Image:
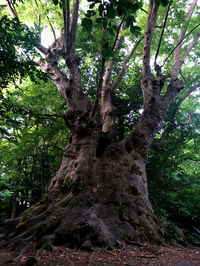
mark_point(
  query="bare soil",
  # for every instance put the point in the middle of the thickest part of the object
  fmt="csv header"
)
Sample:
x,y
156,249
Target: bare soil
x,y
131,255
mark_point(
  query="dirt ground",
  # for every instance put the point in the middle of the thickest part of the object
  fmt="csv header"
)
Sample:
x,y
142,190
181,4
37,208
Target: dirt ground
x,y
132,255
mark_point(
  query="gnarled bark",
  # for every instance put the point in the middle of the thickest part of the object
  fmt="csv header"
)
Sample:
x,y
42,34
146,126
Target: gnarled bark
x,y
97,200
99,195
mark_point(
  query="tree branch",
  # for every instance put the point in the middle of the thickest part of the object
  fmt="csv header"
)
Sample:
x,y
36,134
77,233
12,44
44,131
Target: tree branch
x,y
99,87
57,76
177,62
183,30
172,125
117,35
144,10
193,88
104,79
53,31
107,108
66,19
179,44
188,17
192,44
125,66
42,49
162,33
110,65
12,9
188,92
154,105
39,20
73,26
68,88
153,11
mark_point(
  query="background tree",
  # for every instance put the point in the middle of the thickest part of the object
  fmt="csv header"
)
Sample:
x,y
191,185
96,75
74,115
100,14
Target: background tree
x,y
33,136
99,195
173,173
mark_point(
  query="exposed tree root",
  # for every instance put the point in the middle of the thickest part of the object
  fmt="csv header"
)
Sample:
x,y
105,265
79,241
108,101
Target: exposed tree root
x,y
84,220
103,205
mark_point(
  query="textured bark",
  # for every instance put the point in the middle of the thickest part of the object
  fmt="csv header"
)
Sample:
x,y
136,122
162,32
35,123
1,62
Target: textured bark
x,y
99,195
107,107
101,200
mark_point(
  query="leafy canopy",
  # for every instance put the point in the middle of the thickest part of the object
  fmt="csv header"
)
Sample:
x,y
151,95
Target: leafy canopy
x,y
17,51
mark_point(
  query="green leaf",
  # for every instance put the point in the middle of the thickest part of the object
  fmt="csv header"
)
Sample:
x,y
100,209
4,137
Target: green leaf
x,y
101,9
86,23
55,2
91,5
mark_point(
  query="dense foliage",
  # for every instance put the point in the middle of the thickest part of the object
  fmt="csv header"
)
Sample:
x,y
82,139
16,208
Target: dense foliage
x,y
16,51
33,134
173,173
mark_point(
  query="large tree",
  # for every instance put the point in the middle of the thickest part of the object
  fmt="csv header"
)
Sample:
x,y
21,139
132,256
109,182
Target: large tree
x,y
99,195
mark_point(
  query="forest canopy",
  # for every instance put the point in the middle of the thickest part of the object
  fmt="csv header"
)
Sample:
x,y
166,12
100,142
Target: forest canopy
x,y
116,74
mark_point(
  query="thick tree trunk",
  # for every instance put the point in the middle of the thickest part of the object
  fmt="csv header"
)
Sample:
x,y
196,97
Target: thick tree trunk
x,y
109,196
98,197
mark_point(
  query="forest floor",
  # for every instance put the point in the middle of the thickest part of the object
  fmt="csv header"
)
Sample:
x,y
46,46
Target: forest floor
x,y
132,255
